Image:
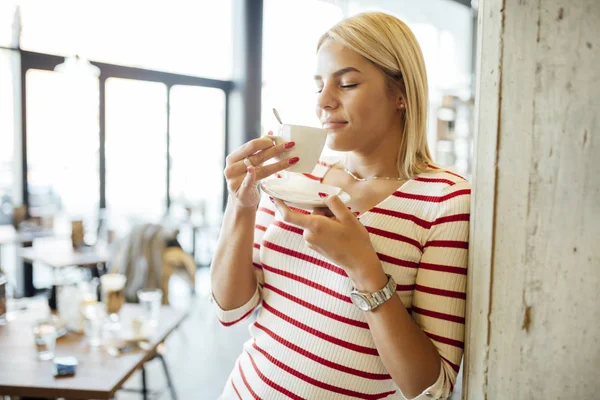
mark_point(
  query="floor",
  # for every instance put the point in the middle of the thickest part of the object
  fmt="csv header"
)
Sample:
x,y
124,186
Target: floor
x,y
200,354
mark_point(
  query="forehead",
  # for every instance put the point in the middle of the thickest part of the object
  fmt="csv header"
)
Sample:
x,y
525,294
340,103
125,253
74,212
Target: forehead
x,y
333,56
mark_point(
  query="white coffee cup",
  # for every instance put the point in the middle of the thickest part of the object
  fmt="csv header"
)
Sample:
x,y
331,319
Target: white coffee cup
x,y
309,145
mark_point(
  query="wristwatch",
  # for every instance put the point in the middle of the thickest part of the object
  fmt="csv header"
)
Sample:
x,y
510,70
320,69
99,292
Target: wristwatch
x,y
370,301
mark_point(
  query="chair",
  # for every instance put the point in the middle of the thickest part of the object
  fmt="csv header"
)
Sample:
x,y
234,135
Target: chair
x,y
148,257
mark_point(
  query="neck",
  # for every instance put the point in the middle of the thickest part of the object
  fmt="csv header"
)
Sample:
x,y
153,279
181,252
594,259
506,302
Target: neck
x,y
378,161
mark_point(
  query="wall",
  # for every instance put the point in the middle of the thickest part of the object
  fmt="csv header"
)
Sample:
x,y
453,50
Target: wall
x,y
535,263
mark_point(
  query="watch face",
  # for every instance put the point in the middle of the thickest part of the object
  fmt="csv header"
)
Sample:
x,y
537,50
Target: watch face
x,y
360,302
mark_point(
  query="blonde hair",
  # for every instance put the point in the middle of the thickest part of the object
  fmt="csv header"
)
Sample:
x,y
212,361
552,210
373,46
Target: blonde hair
x,y
390,44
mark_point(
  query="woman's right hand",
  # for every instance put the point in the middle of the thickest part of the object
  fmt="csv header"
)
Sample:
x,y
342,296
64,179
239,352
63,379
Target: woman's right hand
x,y
242,180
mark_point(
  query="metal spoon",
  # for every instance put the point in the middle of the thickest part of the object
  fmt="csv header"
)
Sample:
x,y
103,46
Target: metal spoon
x,y
277,116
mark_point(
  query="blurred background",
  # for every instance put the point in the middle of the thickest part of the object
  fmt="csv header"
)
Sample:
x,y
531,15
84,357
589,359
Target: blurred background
x,y
121,113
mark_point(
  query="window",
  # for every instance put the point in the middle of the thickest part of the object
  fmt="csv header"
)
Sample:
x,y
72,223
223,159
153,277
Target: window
x,y
197,149
62,144
136,151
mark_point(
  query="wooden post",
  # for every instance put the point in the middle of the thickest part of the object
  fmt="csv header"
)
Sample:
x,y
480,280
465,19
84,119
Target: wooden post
x,y
534,275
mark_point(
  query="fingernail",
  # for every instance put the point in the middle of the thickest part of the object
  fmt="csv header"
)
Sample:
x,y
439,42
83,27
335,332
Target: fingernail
x,y
270,133
349,208
356,213
271,198
278,175
293,160
323,195
289,145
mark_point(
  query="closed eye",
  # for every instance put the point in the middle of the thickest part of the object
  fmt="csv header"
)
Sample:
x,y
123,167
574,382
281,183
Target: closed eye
x,y
349,86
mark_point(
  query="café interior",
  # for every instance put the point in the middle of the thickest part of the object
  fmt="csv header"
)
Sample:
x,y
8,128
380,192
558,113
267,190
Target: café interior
x,y
115,121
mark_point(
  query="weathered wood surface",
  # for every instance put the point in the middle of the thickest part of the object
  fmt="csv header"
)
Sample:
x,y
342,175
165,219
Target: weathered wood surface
x,y
534,309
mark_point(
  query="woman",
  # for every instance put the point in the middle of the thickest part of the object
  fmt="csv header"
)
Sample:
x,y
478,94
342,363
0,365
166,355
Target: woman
x,y
404,240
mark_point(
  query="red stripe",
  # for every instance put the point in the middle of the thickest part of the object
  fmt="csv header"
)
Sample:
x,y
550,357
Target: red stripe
x,y
308,283
271,383
257,266
405,288
266,210
397,261
301,211
317,383
260,227
287,227
438,315
246,383
319,310
257,246
454,366
394,236
432,199
237,320
436,180
452,173
443,268
456,244
408,217
321,360
446,171
236,391
441,292
452,218
321,335
314,178
305,257
445,340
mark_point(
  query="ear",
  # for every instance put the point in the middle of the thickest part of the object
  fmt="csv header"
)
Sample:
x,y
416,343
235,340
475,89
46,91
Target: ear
x,y
400,103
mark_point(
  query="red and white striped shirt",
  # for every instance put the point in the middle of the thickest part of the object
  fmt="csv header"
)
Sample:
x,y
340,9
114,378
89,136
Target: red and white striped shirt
x,y
310,342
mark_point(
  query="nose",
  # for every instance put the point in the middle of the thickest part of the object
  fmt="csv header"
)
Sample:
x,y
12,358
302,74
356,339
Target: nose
x,y
327,99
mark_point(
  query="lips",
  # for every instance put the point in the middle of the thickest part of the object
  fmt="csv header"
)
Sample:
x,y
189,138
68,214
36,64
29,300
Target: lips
x,y
334,124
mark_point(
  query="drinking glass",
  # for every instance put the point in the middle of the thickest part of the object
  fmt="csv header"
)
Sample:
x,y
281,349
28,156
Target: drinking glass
x,y
113,293
44,334
150,301
95,318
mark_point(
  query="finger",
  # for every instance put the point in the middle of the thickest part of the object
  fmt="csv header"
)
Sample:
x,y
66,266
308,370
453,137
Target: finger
x,y
257,159
324,211
247,149
290,216
339,209
268,170
249,180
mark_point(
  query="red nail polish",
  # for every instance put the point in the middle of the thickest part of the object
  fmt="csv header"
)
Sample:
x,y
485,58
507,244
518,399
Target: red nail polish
x,y
279,176
270,133
356,213
293,160
271,198
289,145
323,195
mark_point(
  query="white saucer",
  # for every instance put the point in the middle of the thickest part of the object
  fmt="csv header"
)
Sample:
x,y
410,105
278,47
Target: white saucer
x,y
300,193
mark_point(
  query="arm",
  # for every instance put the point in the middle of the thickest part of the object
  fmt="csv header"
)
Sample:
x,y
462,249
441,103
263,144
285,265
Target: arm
x,y
234,284
422,353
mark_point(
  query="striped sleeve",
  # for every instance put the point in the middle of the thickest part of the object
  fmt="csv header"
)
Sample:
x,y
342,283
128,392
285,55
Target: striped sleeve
x,y
264,217
439,301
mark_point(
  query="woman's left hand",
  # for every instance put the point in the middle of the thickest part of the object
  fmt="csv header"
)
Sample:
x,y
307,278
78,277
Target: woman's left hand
x,y
341,238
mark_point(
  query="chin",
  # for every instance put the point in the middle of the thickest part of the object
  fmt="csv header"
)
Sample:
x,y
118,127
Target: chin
x,y
338,142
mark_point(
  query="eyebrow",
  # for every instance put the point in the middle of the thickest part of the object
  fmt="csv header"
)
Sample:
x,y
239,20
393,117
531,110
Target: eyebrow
x,y
339,73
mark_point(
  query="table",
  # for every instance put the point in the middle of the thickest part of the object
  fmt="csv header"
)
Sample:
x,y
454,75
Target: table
x,y
57,253
9,235
98,376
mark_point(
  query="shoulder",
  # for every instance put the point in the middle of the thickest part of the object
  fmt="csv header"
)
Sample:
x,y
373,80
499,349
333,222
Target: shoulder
x,y
437,181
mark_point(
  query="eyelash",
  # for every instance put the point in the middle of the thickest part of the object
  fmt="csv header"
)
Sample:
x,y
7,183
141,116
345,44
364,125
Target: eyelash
x,y
342,86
